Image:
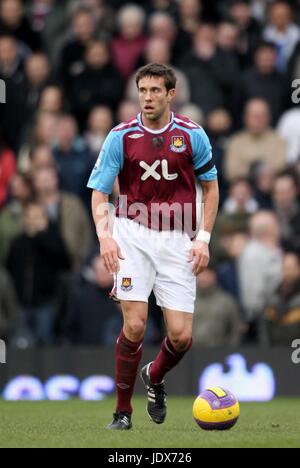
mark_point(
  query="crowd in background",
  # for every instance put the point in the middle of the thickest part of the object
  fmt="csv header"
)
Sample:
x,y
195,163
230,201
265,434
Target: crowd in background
x,y
69,71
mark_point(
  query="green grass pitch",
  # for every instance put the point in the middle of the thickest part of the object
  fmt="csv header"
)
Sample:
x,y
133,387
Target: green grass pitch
x,y
82,424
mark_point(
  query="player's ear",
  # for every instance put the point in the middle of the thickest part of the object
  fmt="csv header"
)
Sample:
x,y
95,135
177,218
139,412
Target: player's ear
x,y
171,94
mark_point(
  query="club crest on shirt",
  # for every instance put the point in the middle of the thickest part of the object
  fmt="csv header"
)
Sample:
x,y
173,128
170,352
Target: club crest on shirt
x,y
126,284
178,144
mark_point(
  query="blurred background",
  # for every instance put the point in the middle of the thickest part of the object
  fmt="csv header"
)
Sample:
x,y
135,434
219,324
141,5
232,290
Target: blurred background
x,y
69,71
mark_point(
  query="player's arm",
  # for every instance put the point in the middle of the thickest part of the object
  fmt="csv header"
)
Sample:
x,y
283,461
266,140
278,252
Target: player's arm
x,y
102,181
200,251
206,173
110,251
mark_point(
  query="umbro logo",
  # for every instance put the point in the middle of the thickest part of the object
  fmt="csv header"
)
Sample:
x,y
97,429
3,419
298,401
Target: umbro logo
x,y
136,136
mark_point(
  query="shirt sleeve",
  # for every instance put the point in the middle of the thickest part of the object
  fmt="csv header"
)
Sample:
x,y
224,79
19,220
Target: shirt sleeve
x,y
109,164
205,168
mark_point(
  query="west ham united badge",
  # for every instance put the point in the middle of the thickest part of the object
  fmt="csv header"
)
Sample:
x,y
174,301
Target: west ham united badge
x,y
178,144
127,284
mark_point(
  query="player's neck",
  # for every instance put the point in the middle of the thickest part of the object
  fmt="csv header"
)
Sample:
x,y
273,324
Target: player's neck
x,y
157,124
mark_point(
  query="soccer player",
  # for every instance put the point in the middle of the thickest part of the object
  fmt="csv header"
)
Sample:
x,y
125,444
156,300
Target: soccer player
x,y
154,245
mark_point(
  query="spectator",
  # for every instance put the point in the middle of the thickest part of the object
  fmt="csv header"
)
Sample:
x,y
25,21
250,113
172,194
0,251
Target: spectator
x,y
104,15
127,111
265,82
258,142
41,157
8,306
7,170
240,200
260,270
100,123
218,128
192,112
190,14
91,313
73,159
163,26
234,215
164,6
44,128
294,64
217,321
158,51
283,32
228,270
20,191
98,83
37,74
49,18
43,132
287,208
259,9
282,313
52,100
289,130
212,72
228,37
228,41
11,62
35,261
67,213
129,45
12,72
72,55
263,177
13,22
250,29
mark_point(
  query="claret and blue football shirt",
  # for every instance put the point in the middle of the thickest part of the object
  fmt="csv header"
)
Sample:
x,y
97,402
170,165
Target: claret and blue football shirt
x,y
156,170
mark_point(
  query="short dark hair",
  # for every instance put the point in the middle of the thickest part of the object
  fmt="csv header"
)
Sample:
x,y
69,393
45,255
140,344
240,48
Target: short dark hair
x,y
266,45
81,10
159,71
240,180
238,2
288,174
33,202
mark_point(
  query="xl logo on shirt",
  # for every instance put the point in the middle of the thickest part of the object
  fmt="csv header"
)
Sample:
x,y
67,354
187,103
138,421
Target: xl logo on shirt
x,y
151,171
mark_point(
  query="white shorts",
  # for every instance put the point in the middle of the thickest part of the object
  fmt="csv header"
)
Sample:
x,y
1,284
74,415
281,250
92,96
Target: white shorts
x,y
155,261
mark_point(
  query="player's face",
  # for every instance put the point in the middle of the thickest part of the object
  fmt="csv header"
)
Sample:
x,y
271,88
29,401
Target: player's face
x,y
154,98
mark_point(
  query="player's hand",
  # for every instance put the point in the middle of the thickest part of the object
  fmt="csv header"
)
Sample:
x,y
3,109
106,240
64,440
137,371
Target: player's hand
x,y
111,254
199,253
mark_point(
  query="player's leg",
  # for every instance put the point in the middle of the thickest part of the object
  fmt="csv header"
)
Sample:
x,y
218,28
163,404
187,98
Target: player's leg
x,y
175,291
128,357
133,285
174,347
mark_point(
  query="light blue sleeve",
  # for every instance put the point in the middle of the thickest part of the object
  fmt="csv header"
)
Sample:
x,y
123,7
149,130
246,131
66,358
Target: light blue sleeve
x,y
109,164
202,155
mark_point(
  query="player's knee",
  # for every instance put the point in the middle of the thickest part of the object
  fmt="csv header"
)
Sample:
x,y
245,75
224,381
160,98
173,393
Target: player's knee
x,y
181,342
135,329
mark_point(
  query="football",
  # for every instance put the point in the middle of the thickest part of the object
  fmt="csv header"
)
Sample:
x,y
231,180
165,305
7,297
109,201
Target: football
x,y
216,409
